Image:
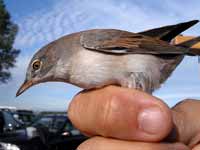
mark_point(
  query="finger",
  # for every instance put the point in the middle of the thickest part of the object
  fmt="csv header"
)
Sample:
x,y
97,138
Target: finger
x,y
121,113
101,143
187,123
197,147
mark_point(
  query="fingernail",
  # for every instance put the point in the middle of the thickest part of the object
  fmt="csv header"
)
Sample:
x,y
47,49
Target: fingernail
x,y
151,120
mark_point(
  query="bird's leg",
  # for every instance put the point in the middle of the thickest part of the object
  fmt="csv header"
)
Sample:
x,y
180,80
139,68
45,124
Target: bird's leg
x,y
139,81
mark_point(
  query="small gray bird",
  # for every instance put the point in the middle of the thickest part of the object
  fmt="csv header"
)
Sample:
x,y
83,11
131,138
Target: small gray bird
x,y
100,57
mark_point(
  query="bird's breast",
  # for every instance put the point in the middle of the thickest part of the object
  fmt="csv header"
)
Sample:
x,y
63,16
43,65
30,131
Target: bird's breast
x,y
93,69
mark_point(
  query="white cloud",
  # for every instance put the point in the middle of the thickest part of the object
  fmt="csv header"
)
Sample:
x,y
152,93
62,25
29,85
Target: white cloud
x,y
67,16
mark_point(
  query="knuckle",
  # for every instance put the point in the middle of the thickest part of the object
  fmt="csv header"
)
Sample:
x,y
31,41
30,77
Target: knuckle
x,y
185,103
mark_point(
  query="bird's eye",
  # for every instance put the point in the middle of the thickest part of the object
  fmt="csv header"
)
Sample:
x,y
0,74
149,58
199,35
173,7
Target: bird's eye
x,y
36,64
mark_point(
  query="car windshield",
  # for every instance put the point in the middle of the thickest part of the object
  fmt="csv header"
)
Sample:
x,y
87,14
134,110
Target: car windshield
x,y
45,121
68,126
26,118
10,122
59,123
53,123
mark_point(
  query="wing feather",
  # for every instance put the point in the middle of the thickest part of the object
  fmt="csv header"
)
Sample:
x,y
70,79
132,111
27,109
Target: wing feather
x,y
123,42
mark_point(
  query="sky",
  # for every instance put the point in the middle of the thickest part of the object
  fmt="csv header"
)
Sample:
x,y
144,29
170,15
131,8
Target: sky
x,y
41,22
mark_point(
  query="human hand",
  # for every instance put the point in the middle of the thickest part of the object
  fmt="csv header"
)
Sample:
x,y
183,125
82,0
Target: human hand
x,y
125,119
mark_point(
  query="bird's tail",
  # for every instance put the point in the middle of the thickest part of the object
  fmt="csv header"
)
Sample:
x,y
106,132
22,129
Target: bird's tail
x,y
190,43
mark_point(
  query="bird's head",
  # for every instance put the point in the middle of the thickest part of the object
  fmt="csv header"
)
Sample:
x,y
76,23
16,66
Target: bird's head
x,y
42,66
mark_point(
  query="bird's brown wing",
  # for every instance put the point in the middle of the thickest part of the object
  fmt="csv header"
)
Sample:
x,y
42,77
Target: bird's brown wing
x,y
123,42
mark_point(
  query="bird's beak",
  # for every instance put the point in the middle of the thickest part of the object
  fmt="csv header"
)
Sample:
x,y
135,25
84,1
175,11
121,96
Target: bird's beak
x,y
24,87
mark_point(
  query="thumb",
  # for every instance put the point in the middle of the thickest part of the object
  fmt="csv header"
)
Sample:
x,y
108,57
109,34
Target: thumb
x,y
121,113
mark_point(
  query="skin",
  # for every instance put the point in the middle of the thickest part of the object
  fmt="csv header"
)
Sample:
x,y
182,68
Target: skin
x,y
118,118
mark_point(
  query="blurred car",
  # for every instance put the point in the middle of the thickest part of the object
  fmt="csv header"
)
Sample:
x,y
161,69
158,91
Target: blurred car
x,y
8,123
48,132
25,116
16,132
58,132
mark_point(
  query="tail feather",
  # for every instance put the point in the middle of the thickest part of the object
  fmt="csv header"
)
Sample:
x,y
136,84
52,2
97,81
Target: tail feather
x,y
192,43
167,33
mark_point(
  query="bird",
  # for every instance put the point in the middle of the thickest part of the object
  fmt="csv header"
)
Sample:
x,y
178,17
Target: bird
x,y
99,57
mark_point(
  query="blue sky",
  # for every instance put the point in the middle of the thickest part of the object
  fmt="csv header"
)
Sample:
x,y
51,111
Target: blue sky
x,y
43,21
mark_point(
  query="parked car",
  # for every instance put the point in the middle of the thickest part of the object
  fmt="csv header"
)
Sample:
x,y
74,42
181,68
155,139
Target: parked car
x,y
25,116
58,132
48,132
8,123
16,132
